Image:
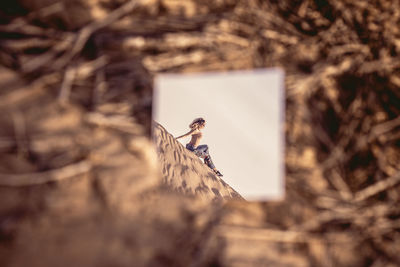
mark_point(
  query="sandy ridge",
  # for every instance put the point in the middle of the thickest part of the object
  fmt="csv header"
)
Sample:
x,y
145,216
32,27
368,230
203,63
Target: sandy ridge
x,y
185,172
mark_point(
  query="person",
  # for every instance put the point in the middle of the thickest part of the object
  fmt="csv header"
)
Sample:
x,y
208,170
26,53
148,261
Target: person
x,y
200,150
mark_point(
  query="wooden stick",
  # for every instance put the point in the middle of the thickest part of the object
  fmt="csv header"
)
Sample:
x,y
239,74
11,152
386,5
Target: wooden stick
x,y
66,85
30,179
85,33
377,187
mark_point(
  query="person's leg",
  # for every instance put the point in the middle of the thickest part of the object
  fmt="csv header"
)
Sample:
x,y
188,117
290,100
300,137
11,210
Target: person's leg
x,y
208,161
202,150
210,164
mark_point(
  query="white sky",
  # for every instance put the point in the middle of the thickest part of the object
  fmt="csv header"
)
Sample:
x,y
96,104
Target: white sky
x,y
244,111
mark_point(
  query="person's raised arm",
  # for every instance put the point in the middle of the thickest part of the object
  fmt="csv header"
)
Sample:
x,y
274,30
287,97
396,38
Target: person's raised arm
x,y
186,134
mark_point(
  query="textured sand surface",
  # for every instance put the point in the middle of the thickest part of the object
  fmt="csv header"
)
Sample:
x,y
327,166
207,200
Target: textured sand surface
x,y
184,172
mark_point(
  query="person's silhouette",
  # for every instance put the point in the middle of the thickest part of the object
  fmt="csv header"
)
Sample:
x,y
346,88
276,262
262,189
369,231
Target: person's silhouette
x,y
200,150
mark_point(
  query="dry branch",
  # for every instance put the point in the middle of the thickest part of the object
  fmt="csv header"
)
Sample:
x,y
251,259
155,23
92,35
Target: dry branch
x,y
30,179
377,187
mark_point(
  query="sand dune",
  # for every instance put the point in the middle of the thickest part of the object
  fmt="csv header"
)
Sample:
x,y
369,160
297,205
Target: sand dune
x,y
185,172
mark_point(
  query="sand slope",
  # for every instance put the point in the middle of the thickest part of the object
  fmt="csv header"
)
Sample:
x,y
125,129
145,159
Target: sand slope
x,y
185,172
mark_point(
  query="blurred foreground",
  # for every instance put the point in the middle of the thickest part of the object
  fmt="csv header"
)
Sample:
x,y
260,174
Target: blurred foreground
x,y
80,183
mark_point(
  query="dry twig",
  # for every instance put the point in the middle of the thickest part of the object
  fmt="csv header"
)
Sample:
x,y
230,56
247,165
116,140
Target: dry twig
x,y
30,179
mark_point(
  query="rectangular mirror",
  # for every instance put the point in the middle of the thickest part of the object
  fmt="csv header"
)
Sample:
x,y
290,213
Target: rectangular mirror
x,y
244,124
